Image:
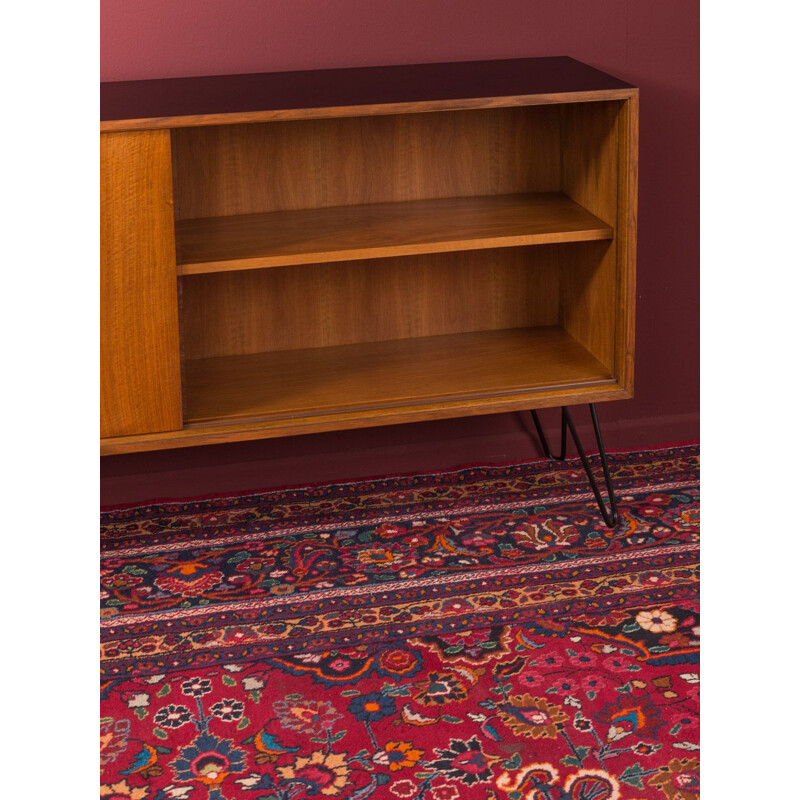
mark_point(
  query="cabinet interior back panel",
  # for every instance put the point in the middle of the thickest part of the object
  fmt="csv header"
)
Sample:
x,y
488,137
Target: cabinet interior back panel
x,y
243,169
319,305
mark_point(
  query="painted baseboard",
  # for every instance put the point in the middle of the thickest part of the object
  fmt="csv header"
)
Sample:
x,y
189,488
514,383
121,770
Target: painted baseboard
x,y
352,455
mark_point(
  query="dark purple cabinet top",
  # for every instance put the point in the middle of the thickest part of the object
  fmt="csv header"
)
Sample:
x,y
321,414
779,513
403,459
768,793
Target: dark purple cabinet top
x,y
340,88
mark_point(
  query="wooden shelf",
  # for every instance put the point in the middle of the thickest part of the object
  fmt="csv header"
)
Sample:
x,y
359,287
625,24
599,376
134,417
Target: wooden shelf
x,y
331,380
346,233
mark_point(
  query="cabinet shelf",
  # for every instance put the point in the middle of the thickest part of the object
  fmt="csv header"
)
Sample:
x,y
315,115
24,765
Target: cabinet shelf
x,y
345,378
378,230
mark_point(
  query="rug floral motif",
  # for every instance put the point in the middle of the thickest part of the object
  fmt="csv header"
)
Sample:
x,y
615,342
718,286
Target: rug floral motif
x,y
472,634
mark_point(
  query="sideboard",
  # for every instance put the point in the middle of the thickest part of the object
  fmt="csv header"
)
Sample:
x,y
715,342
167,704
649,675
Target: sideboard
x,y
288,253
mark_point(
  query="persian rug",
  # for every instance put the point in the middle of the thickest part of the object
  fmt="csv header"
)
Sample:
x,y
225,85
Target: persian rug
x,y
464,635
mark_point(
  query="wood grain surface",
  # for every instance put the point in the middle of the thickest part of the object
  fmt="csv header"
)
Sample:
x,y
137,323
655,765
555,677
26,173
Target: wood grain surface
x,y
328,380
346,233
590,276
481,373
140,378
287,166
320,305
627,226
233,431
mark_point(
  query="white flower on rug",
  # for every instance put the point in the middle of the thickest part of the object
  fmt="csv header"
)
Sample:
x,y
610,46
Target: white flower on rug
x,y
251,780
180,792
657,621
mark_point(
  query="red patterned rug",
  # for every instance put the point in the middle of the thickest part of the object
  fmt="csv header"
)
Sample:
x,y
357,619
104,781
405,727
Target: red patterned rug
x,y
465,635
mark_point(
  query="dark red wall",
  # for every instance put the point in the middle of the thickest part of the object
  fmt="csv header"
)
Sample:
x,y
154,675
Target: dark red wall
x,y
653,45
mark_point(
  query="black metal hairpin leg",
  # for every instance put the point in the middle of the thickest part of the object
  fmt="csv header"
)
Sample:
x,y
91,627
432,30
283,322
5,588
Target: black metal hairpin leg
x,y
610,514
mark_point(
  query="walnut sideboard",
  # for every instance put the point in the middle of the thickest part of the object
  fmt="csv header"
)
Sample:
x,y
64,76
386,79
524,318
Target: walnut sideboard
x,y
295,252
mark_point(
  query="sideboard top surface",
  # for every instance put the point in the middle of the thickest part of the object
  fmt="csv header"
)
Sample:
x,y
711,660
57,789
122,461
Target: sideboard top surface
x,y
179,102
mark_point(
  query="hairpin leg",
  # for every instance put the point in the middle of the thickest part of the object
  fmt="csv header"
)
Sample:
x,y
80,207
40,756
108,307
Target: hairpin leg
x,y
543,438
610,514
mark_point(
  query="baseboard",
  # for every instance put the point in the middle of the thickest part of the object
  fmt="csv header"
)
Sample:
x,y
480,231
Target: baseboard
x,y
423,447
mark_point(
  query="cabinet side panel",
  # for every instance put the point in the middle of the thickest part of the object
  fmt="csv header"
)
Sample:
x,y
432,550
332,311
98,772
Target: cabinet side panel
x,y
140,383
590,278
626,239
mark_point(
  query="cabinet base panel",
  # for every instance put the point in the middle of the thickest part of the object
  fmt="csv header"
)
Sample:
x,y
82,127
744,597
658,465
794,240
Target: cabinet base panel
x,y
286,393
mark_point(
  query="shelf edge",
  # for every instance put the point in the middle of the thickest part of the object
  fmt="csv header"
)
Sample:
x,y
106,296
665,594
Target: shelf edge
x,y
390,251
379,109
237,431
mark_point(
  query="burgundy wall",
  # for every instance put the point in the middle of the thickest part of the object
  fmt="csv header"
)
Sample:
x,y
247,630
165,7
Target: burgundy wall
x,y
652,45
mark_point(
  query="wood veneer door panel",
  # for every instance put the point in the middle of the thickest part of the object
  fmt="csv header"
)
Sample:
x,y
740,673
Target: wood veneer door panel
x,y
140,380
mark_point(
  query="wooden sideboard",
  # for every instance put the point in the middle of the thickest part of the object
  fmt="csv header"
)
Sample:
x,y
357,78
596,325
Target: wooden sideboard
x,y
288,253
